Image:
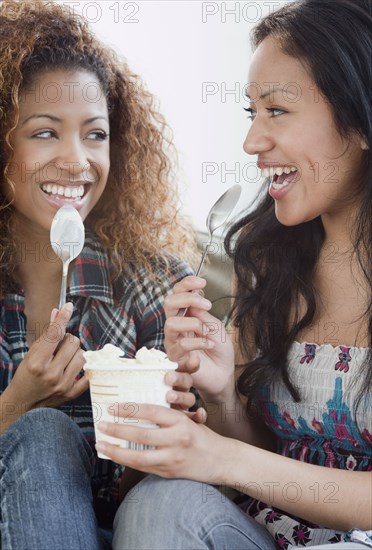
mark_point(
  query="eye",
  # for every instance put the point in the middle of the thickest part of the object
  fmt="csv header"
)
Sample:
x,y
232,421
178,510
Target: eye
x,y
251,113
44,134
276,111
98,135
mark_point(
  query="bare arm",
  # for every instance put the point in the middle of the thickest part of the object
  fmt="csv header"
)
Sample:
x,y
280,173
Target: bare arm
x,y
201,346
228,417
337,499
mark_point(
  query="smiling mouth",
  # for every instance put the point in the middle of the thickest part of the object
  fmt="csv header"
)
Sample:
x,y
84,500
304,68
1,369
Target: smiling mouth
x,y
279,182
281,176
61,192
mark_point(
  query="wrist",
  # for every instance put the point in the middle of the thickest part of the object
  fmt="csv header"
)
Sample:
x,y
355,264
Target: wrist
x,y
227,395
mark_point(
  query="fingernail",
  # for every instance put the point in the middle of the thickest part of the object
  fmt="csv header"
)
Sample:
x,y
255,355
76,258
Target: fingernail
x,y
53,314
67,310
101,446
172,378
172,396
210,344
206,302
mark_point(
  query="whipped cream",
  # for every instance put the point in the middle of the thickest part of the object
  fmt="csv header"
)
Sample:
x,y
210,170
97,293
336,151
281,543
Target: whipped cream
x,y
111,357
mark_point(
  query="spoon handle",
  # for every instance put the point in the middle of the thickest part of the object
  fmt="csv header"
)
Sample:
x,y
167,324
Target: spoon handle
x,y
62,299
182,312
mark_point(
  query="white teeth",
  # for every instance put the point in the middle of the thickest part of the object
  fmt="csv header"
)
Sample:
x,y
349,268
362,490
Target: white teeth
x,y
278,185
278,171
67,192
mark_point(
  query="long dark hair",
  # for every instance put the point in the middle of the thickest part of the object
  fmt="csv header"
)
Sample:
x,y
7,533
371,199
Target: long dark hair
x,y
273,263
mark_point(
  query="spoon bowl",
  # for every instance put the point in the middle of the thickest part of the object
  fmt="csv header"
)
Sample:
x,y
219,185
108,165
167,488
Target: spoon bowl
x,y
67,239
217,216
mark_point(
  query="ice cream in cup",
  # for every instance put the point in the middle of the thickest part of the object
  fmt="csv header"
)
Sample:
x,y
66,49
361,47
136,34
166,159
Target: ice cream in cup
x,y
114,379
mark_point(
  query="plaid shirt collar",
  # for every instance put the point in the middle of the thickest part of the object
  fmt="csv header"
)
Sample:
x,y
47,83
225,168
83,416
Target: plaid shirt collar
x,y
91,275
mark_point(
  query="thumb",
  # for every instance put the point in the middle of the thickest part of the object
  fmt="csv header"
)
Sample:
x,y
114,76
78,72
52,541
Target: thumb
x,y
199,416
58,322
49,342
53,314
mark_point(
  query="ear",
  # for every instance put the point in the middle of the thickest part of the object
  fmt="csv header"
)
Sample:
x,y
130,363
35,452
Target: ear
x,y
363,144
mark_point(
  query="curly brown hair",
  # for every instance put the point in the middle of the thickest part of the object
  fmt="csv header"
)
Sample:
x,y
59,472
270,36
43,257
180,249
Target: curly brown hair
x,y
37,36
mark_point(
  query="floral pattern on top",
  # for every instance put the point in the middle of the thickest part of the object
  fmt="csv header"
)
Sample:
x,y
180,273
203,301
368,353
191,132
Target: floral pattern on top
x,y
344,358
321,429
310,350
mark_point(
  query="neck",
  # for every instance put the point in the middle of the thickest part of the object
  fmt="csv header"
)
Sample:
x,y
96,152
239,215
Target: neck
x,y
339,231
37,264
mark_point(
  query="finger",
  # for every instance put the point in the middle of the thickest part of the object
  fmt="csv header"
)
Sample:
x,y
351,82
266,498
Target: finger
x,y
79,387
174,302
164,416
195,344
46,345
193,362
182,352
174,326
200,416
53,314
67,349
212,327
142,435
181,381
181,400
150,461
189,283
74,367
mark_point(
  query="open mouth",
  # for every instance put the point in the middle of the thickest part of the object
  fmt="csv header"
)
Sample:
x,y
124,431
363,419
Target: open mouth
x,y
279,182
281,176
65,193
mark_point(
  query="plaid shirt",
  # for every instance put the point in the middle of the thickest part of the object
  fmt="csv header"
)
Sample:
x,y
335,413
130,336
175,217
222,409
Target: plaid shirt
x,y
127,313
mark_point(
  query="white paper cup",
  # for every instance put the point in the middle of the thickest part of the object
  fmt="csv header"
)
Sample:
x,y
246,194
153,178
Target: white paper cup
x,y
140,383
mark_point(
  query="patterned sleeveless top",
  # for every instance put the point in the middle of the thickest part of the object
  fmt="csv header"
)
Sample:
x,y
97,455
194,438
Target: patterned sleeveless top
x,y
322,429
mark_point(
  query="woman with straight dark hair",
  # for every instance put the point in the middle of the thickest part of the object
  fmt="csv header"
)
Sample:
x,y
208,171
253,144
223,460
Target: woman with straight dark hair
x,y
293,435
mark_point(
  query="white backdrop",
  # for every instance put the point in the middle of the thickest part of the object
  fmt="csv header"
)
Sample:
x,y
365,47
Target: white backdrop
x,y
194,57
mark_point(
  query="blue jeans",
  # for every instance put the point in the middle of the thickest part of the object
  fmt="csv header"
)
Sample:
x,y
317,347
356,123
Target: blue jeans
x,y
45,492
161,514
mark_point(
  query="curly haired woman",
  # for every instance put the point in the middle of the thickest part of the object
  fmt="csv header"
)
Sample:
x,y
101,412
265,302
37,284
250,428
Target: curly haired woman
x,y
76,127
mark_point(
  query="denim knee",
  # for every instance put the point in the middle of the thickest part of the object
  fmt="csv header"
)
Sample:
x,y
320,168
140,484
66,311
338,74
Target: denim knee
x,y
45,484
43,431
179,514
173,496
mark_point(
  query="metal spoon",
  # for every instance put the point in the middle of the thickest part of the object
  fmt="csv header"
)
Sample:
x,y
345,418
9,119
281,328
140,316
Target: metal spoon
x,y
67,240
217,216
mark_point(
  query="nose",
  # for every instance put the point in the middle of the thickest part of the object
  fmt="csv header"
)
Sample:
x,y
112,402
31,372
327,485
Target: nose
x,y
259,139
73,158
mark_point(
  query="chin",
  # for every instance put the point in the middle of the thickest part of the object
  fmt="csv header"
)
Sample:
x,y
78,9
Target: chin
x,y
288,219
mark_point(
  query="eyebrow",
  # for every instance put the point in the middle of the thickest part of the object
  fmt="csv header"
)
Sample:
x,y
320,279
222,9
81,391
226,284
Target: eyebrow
x,y
269,92
57,119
